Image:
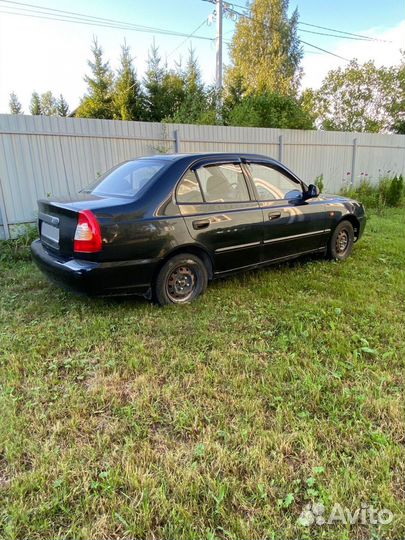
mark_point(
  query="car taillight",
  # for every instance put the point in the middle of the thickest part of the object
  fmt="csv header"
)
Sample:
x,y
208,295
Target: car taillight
x,y
88,234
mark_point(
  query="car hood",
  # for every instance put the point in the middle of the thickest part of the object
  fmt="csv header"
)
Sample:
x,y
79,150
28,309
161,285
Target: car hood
x,y
337,198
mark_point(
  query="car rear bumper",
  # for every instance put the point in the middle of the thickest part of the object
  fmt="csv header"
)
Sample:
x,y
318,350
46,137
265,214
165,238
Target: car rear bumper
x,y
96,278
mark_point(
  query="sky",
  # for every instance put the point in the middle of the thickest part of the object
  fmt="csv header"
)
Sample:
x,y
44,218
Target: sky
x,y
40,54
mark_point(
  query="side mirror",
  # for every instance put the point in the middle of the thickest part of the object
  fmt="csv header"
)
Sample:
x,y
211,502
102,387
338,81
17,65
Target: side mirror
x,y
312,192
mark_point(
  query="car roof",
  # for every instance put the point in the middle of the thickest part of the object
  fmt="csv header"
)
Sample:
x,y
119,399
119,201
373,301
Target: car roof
x,y
189,159
196,155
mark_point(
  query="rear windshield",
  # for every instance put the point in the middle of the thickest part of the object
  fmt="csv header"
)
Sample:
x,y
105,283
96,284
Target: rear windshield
x,y
127,179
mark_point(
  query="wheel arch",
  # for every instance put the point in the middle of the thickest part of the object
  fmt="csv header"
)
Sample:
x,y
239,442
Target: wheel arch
x,y
196,250
354,221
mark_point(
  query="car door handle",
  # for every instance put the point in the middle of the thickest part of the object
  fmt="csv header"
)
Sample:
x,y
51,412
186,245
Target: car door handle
x,y
201,224
274,215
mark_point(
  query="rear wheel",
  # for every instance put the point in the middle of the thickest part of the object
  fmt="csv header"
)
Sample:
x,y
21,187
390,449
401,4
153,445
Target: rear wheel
x,y
180,280
341,242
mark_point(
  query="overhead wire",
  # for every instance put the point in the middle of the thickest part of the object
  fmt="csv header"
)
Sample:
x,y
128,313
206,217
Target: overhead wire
x,y
333,35
300,23
187,38
41,12
369,38
301,40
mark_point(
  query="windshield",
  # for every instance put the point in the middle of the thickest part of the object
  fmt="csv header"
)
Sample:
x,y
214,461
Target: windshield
x,y
127,179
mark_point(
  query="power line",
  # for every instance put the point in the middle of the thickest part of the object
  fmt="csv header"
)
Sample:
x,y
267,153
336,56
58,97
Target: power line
x,y
68,14
333,35
360,36
134,29
59,11
41,12
369,38
187,38
302,41
310,45
324,50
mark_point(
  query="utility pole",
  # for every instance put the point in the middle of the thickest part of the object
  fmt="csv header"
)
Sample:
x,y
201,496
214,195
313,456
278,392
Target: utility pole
x,y
218,75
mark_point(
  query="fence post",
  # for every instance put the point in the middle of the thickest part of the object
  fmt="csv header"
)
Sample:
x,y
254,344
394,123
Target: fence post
x,y
3,214
280,148
354,156
176,141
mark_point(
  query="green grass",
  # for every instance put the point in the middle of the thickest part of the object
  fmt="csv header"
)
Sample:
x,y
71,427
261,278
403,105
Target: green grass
x,y
220,419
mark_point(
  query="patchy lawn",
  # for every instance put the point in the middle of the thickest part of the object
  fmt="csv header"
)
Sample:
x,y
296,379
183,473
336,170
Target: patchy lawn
x,y
221,419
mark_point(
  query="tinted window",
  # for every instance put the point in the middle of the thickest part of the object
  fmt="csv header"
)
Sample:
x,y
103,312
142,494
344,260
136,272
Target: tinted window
x,y
188,190
271,184
128,178
223,183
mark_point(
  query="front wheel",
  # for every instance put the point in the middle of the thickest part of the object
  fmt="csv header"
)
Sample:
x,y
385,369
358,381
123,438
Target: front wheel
x,y
341,242
180,280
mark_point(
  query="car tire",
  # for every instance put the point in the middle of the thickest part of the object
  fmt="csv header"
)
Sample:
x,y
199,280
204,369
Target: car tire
x,y
180,280
341,242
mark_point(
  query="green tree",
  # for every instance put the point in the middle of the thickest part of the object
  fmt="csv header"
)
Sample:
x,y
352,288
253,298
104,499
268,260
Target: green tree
x,y
265,51
48,104
198,103
97,103
164,89
192,74
270,110
127,98
35,104
62,107
234,92
397,108
14,104
360,97
153,83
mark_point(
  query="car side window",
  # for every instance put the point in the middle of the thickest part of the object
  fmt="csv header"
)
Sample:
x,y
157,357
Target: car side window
x,y
272,184
223,183
188,191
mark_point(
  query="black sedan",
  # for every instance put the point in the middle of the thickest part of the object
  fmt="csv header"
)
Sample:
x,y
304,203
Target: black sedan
x,y
163,226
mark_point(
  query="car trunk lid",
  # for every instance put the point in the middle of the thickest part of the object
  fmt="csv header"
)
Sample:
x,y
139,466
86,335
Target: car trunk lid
x,y
57,224
58,219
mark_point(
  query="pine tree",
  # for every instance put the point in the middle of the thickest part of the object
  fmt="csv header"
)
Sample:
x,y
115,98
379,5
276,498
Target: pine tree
x,y
153,83
127,97
62,107
97,103
14,104
164,89
35,104
265,51
193,74
198,106
48,104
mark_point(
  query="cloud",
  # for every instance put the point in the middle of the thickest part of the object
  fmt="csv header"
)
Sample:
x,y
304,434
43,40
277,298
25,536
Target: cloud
x,y
317,65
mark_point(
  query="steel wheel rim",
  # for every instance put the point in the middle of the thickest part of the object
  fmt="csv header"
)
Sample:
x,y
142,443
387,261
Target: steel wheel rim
x,y
342,241
181,283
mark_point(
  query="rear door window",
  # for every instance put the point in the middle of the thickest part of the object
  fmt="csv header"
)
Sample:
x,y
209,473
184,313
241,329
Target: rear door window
x,y
223,183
